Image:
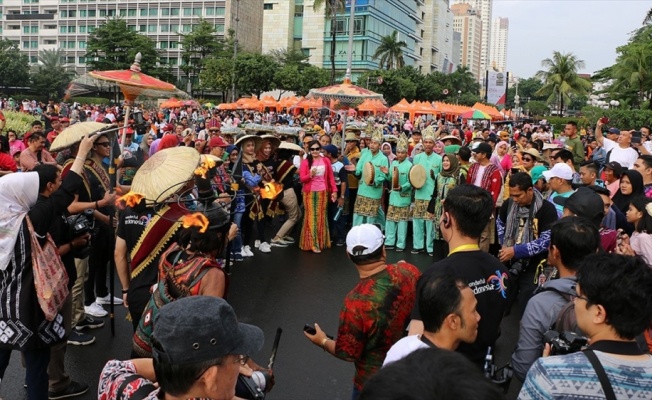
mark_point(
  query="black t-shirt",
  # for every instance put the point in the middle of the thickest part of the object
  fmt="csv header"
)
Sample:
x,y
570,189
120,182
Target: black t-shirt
x,y
488,279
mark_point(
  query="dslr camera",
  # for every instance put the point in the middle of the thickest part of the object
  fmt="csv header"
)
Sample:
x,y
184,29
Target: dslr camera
x,y
253,388
518,267
79,225
564,342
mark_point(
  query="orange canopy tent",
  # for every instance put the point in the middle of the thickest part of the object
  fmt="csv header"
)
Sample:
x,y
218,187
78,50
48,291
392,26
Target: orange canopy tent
x,y
269,102
171,103
372,105
401,107
227,106
287,102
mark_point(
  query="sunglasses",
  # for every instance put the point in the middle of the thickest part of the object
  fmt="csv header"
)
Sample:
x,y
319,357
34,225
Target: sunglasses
x,y
528,159
105,144
315,148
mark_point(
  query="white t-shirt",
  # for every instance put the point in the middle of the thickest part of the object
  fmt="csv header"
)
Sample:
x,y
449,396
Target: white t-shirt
x,y
404,347
625,157
478,177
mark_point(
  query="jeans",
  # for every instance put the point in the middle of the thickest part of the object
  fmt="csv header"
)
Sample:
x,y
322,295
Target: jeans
x,y
36,362
337,228
237,241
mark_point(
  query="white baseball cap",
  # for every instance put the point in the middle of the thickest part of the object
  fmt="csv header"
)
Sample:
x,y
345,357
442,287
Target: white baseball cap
x,y
559,170
365,236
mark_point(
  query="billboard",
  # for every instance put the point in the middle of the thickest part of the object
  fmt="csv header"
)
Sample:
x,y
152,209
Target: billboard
x,y
496,85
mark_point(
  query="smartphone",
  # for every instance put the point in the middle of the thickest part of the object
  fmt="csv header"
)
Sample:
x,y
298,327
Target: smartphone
x,y
309,329
637,138
604,120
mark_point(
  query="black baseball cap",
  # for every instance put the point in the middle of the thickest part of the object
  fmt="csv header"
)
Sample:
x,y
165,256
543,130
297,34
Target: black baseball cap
x,y
201,328
481,147
587,204
615,167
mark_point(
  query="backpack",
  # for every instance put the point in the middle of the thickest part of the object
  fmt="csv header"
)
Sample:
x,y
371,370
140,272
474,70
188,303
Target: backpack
x,y
566,320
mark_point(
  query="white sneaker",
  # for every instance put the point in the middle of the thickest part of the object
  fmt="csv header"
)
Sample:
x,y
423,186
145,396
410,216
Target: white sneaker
x,y
265,248
246,251
107,300
95,310
257,244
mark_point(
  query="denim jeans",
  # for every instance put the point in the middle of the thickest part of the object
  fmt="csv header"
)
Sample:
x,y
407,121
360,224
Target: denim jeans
x,y
237,241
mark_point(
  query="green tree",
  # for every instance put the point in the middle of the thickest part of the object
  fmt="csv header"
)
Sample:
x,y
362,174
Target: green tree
x,y
14,65
52,76
290,57
113,46
332,8
217,75
390,52
527,89
648,17
198,46
536,108
255,73
313,77
560,78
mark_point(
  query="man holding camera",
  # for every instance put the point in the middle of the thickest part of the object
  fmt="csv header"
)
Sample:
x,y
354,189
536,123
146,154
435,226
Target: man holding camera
x,y
374,313
612,307
571,240
620,151
523,225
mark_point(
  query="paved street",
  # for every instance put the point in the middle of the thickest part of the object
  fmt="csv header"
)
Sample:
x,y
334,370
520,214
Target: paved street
x,y
286,288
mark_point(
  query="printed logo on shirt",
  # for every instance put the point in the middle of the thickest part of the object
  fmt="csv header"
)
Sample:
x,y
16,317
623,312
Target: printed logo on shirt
x,y
496,282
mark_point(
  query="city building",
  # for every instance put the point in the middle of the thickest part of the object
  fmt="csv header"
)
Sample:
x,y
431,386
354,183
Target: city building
x,y
457,46
425,26
499,38
484,9
468,23
50,24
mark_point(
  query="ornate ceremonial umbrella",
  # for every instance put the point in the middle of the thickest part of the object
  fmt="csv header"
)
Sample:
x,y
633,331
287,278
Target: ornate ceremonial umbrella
x,y
475,114
346,93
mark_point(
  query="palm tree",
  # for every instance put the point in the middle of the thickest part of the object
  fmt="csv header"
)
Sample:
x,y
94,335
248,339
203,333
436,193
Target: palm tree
x,y
633,68
53,74
560,79
333,7
648,17
390,51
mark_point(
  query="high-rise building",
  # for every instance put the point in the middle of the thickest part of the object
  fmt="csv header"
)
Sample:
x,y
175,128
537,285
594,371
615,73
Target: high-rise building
x,y
65,24
484,9
499,37
425,26
467,22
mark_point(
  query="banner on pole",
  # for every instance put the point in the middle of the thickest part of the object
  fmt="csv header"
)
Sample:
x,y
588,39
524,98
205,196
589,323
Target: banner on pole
x,y
496,87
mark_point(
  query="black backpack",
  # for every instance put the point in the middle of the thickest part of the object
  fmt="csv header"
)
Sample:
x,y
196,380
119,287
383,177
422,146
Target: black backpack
x,y
566,320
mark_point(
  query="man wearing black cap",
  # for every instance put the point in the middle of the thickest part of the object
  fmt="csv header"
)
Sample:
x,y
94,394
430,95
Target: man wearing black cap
x,y
199,349
587,203
486,175
612,173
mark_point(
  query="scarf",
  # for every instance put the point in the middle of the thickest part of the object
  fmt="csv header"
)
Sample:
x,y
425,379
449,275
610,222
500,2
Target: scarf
x,y
18,193
454,170
486,177
516,214
391,156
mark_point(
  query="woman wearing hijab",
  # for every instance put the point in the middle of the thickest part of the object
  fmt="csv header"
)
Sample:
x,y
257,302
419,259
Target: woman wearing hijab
x,y
29,204
631,186
502,158
386,148
448,178
418,148
439,148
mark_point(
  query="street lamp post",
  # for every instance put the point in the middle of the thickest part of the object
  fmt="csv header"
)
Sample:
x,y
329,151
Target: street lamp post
x,y
235,49
459,93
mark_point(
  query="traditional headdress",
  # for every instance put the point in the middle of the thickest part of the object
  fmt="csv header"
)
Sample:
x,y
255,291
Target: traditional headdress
x,y
428,133
402,144
337,139
377,135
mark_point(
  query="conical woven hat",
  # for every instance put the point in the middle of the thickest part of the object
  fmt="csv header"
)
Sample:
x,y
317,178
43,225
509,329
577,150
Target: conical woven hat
x,y
164,173
74,134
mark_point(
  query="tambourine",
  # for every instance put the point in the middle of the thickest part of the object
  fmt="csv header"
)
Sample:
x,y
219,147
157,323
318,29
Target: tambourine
x,y
417,176
368,173
395,184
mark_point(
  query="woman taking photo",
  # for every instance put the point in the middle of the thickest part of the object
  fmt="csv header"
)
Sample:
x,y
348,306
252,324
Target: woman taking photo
x,y
318,181
448,178
639,214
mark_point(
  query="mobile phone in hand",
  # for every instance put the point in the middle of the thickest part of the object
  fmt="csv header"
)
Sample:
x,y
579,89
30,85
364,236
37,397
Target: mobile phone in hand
x,y
309,329
604,120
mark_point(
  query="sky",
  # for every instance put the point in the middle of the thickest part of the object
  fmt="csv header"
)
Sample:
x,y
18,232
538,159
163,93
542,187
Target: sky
x,y
591,29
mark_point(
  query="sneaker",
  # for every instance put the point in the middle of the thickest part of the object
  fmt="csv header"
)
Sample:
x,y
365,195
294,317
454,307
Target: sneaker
x,y
95,310
77,338
431,254
265,248
246,251
236,256
288,239
398,249
107,300
340,242
279,243
389,247
89,323
74,389
416,251
257,244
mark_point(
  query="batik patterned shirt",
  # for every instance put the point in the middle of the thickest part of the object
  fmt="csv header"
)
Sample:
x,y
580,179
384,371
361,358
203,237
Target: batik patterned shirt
x,y
374,317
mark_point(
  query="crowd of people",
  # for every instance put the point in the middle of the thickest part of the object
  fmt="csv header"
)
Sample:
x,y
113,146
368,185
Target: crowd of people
x,y
555,228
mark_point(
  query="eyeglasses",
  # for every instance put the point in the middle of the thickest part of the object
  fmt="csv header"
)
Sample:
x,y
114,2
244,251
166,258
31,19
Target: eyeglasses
x,y
315,148
105,144
528,159
242,359
579,296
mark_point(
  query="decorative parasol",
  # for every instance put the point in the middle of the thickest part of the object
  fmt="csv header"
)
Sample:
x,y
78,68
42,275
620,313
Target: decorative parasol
x,y
171,103
475,114
346,93
164,173
290,146
74,134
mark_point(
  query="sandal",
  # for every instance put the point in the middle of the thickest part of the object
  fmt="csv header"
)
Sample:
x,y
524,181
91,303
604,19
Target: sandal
x,y
316,250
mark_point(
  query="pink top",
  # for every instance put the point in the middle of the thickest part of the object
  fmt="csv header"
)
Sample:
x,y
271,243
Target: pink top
x,y
16,146
323,181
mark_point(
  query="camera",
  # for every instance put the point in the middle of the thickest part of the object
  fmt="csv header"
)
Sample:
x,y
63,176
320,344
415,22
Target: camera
x,y
79,225
518,267
564,342
252,388
501,376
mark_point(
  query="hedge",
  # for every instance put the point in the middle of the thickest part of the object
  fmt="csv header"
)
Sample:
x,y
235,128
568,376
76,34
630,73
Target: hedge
x,y
622,119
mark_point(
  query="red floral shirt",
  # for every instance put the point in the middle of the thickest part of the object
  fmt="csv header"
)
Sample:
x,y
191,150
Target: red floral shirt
x,y
374,317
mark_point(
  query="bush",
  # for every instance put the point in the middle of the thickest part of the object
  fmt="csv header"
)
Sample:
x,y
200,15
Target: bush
x,y
18,122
